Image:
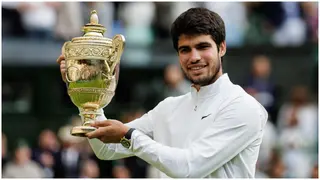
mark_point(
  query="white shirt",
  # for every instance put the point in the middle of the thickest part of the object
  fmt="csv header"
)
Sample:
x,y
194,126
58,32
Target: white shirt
x,y
213,133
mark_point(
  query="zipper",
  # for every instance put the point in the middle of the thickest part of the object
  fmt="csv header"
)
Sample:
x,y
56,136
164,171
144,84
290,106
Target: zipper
x,y
196,104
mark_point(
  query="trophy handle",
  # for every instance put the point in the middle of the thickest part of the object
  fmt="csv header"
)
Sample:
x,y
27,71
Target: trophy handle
x,y
63,52
63,49
118,43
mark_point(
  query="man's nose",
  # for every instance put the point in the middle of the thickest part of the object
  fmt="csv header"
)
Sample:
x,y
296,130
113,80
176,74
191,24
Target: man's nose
x,y
195,56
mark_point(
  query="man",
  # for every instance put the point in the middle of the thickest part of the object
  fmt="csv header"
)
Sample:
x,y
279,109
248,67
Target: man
x,y
214,131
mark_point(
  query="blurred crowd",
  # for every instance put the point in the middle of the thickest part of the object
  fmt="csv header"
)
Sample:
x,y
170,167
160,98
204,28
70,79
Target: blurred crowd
x,y
247,23
290,144
61,155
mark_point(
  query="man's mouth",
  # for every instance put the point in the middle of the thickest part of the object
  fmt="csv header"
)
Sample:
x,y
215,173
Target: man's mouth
x,y
196,68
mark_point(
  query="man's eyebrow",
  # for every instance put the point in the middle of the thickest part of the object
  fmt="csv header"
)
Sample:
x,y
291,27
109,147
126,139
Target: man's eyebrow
x,y
203,43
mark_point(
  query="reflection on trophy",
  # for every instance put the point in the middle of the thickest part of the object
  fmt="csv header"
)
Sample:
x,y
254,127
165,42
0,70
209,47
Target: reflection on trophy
x,y
91,61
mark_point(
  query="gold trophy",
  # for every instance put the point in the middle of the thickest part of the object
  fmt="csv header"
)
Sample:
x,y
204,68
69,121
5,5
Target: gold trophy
x,y
91,74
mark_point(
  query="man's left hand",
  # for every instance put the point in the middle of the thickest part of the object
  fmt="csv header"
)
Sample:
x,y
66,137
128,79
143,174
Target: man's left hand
x,y
109,131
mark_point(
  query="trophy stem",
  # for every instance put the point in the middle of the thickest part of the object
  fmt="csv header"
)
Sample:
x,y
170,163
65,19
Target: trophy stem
x,y
88,116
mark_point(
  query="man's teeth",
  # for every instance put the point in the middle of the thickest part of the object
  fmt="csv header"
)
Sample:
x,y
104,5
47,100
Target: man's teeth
x,y
196,68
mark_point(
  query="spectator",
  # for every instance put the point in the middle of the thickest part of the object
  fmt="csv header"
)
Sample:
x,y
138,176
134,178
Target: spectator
x,y
310,15
260,85
299,108
89,169
292,31
46,152
263,19
277,168
70,160
22,166
175,83
39,18
5,156
234,15
137,22
120,170
69,21
297,125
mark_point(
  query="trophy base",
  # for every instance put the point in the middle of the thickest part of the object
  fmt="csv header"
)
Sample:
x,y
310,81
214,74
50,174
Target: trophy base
x,y
81,131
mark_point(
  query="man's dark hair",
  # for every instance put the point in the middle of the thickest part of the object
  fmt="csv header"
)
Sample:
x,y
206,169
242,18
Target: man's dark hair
x,y
198,21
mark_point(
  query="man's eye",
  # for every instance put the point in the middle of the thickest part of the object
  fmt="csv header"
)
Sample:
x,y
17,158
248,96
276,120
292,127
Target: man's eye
x,y
183,50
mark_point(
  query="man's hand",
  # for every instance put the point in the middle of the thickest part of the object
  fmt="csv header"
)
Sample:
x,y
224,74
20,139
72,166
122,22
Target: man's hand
x,y
61,61
109,131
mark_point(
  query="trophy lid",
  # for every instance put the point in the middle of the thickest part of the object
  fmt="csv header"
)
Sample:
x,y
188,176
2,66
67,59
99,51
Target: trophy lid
x,y
93,31
93,44
94,28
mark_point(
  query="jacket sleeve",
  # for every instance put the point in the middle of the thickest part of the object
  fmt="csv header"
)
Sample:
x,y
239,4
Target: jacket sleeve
x,y
234,128
115,150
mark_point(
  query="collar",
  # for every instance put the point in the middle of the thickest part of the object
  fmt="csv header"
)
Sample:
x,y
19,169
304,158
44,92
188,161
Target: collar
x,y
211,89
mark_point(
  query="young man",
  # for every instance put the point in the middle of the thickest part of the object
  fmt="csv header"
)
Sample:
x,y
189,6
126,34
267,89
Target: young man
x,y
214,131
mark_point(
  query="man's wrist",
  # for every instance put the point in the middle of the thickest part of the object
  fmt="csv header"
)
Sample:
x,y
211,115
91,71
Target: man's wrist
x,y
125,131
129,133
126,139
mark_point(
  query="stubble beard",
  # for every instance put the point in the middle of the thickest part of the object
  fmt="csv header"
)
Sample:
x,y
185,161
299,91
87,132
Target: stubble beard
x,y
207,79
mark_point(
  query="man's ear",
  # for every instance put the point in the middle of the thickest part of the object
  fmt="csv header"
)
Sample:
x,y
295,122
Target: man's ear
x,y
223,48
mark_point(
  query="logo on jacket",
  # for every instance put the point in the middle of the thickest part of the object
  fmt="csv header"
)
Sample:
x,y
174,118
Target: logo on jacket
x,y
205,116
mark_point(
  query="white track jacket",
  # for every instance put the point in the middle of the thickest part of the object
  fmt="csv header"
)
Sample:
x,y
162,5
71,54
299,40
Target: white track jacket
x,y
215,132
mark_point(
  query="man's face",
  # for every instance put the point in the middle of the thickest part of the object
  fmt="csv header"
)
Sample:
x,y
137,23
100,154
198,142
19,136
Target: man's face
x,y
199,58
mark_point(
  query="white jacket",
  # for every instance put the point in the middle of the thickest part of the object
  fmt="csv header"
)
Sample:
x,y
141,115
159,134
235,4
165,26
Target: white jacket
x,y
213,133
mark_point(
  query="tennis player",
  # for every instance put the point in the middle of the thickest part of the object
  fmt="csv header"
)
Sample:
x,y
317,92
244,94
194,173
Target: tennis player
x,y
214,131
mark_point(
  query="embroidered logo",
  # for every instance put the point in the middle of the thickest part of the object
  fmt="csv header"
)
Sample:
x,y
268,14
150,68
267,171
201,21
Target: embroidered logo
x,y
205,116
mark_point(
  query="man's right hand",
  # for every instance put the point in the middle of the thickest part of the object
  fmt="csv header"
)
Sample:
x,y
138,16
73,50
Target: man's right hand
x,y
61,61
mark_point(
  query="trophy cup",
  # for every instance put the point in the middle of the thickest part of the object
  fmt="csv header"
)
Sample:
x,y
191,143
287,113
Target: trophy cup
x,y
91,75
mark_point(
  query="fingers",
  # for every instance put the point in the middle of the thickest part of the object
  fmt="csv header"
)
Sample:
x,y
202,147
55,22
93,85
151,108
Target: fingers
x,y
101,129
62,62
98,124
63,66
99,132
63,70
60,58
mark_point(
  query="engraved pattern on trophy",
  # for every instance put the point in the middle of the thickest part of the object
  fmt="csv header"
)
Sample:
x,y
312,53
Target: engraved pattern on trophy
x,y
78,51
91,80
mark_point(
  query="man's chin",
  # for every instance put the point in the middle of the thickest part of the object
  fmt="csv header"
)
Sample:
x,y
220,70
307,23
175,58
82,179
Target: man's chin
x,y
200,82
201,79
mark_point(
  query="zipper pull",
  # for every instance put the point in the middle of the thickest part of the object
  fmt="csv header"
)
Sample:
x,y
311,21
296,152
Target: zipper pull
x,y
195,108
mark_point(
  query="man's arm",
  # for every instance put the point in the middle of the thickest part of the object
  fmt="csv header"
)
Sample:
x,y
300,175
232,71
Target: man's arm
x,y
115,151
236,127
144,124
109,151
